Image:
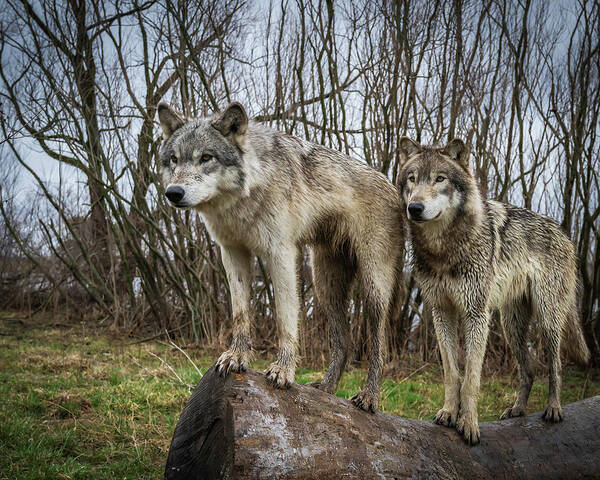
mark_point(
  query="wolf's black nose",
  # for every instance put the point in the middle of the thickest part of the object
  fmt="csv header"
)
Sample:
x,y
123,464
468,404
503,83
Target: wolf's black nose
x,y
416,209
175,194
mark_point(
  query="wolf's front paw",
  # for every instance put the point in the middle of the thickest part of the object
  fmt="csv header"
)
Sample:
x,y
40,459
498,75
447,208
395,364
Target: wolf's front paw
x,y
511,412
468,427
366,400
232,361
446,417
280,376
553,413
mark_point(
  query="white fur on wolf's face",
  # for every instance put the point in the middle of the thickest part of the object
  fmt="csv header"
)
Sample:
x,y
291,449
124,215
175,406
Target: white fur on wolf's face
x,y
203,163
434,191
201,182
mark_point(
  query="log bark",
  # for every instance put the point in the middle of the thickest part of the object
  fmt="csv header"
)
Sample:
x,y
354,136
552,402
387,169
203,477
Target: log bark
x,y
241,427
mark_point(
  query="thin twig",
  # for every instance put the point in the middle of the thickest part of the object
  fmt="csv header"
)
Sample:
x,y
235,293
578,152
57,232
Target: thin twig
x,y
182,351
411,374
172,370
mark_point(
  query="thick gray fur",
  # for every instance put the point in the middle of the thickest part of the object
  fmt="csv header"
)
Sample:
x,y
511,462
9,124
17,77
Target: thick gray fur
x,y
267,193
473,256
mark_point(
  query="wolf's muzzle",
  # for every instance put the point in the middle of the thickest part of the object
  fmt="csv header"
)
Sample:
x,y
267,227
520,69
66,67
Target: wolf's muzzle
x,y
415,210
175,194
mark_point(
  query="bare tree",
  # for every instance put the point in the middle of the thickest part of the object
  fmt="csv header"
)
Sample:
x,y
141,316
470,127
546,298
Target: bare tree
x,y
80,81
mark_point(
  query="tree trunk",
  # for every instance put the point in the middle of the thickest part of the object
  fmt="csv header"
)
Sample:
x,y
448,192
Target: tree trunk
x,y
240,427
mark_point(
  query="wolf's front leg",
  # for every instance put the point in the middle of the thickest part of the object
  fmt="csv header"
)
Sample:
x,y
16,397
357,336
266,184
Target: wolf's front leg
x,y
446,330
237,262
282,266
476,333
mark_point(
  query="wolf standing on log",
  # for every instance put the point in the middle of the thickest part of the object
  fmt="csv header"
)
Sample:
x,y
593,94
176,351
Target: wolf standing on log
x,y
267,193
472,256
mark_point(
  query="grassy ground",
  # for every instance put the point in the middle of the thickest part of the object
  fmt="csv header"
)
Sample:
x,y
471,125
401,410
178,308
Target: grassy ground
x,y
77,405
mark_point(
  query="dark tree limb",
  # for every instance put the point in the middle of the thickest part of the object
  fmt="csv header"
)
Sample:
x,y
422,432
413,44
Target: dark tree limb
x,y
240,427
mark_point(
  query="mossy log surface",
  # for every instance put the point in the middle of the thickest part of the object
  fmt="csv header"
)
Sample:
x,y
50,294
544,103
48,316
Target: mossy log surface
x,y
240,427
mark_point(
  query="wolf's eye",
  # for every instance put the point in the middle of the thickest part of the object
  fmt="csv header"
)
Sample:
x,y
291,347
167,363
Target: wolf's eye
x,y
440,179
411,178
174,159
205,158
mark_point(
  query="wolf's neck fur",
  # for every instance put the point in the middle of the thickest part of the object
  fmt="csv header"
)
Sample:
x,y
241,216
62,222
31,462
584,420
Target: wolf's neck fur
x,y
437,240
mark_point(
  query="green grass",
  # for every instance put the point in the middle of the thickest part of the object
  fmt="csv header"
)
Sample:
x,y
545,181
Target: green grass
x,y
80,406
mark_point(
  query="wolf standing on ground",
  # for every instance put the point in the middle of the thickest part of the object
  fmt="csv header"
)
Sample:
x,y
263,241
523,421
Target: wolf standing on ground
x,y
267,193
472,256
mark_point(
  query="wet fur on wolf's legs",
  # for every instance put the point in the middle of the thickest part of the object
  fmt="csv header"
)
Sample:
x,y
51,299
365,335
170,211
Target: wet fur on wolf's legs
x,y
266,193
472,257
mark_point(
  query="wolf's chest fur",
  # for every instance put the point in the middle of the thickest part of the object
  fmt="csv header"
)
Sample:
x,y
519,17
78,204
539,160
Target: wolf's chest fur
x,y
492,287
487,265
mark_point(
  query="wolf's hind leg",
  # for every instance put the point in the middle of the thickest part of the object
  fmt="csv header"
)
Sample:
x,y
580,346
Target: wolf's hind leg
x,y
551,337
446,330
516,327
238,265
282,266
375,311
333,273
551,307
378,276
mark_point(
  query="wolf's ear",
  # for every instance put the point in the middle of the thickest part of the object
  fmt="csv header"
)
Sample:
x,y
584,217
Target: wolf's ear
x,y
409,148
169,119
232,122
457,151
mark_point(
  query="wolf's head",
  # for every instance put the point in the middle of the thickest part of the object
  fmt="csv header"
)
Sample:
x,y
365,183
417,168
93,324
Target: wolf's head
x,y
201,159
434,183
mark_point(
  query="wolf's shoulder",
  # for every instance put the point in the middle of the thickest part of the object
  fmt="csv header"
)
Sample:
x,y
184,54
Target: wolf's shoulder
x,y
523,214
523,219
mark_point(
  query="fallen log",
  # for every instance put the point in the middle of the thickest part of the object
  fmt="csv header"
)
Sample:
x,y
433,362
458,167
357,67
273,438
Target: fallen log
x,y
241,427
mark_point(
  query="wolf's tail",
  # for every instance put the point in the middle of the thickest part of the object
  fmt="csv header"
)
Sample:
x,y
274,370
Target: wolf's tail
x,y
574,341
